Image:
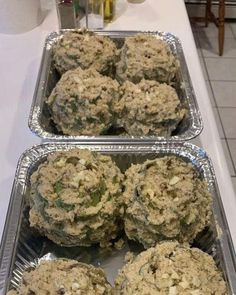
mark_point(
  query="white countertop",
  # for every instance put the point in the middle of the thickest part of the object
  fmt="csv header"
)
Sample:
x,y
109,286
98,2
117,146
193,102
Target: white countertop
x,y
19,63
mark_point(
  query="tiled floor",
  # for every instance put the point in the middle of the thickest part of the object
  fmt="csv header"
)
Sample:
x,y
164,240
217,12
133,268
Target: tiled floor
x,y
220,76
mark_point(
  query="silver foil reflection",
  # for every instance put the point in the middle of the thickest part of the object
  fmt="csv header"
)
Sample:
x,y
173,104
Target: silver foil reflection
x,y
40,122
24,248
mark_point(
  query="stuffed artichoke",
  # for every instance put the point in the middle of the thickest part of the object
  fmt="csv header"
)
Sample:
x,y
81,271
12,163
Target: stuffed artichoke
x,y
75,198
171,269
148,108
63,276
144,56
84,49
165,199
80,103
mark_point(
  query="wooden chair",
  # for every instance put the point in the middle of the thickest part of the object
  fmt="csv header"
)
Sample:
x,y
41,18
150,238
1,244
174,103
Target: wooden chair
x,y
219,21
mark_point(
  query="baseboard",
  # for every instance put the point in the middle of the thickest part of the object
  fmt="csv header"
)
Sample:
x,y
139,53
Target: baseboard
x,y
198,10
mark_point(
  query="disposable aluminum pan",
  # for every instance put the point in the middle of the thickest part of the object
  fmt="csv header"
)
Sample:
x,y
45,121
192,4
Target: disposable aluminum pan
x,y
40,121
23,248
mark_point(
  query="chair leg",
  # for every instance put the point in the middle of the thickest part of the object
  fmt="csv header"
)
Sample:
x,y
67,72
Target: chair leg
x,y
221,25
208,12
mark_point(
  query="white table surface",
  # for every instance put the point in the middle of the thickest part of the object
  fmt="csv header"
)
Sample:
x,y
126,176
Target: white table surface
x,y
19,63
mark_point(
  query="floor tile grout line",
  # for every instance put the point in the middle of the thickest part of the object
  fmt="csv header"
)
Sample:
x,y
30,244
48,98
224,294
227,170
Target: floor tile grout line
x,y
218,113
226,107
231,158
232,31
212,93
212,37
220,57
214,80
197,43
226,138
224,133
220,121
206,70
217,110
203,35
204,61
231,107
217,107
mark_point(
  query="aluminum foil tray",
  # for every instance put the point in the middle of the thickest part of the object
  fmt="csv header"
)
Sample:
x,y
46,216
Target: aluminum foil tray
x,y
23,248
41,124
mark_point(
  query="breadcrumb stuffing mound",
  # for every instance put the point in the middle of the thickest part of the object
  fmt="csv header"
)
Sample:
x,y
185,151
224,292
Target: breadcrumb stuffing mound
x,y
80,104
84,49
129,256
75,198
171,269
148,108
146,57
62,276
119,244
165,199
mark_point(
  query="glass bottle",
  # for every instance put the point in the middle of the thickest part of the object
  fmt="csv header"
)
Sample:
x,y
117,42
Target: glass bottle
x,y
109,10
90,13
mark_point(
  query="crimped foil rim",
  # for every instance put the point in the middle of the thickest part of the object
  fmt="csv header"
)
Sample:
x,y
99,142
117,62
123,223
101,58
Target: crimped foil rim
x,y
34,122
192,153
